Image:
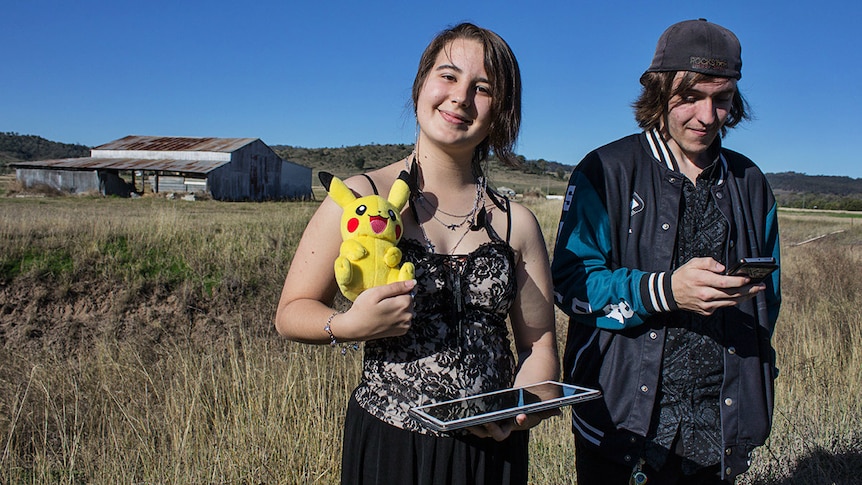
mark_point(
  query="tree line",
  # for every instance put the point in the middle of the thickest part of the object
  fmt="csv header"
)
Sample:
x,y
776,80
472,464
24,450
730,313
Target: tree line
x,y
15,147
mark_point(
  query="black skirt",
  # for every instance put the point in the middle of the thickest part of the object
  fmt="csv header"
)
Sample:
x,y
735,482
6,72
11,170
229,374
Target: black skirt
x,y
376,453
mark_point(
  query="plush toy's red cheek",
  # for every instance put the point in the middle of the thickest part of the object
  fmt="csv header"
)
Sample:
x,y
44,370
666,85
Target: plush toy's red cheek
x,y
352,225
398,231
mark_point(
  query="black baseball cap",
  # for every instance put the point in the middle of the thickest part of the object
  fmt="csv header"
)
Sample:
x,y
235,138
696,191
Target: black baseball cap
x,y
699,46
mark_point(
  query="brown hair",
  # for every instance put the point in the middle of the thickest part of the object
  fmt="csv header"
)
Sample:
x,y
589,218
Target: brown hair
x,y
652,105
505,77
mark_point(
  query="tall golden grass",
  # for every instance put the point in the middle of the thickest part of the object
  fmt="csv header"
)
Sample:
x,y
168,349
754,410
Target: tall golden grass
x,y
138,348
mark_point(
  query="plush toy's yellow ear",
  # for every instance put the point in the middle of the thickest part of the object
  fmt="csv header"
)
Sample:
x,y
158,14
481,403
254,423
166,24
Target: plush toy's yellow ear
x,y
340,193
400,191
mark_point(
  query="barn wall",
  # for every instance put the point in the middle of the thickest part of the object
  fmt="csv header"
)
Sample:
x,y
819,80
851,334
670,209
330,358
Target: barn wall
x,y
255,173
295,181
162,155
72,181
177,183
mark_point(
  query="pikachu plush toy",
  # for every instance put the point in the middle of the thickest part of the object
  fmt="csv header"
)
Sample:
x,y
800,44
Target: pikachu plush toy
x,y
370,230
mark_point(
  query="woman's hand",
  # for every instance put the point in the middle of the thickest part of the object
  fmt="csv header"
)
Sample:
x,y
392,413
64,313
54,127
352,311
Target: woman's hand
x,y
379,312
500,430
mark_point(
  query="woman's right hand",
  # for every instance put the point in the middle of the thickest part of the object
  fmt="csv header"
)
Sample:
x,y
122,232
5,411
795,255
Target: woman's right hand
x,y
379,312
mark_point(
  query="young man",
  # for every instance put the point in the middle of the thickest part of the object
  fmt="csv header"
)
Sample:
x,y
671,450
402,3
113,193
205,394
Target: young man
x,y
681,351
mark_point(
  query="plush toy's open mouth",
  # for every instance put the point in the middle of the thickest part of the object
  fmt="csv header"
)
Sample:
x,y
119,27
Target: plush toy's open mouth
x,y
378,224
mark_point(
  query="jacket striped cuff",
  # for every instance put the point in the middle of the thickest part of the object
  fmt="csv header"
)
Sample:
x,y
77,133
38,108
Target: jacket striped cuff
x,y
656,293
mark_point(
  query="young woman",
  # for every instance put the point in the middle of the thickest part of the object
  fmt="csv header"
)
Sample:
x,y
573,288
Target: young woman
x,y
479,260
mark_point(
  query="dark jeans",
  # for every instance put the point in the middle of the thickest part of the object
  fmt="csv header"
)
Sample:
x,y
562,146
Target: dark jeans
x,y
593,468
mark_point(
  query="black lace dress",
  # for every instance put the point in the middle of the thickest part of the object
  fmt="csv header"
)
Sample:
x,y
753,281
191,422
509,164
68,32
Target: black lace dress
x,y
457,346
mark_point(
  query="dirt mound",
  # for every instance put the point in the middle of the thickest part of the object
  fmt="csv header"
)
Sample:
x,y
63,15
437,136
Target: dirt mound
x,y
63,320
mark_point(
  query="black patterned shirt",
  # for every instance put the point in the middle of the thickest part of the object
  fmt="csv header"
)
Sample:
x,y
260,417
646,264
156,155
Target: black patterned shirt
x,y
687,420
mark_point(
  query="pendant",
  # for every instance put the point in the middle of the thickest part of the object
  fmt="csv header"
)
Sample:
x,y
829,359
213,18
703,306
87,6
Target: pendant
x,y
479,222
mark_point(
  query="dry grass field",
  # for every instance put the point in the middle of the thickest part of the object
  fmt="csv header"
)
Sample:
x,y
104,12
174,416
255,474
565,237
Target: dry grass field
x,y
137,347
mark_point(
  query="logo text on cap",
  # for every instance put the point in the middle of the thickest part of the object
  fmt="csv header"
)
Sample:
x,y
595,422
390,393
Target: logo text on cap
x,y
698,62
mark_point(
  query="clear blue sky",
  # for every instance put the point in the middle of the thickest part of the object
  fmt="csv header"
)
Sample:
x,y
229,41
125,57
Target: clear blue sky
x,y
329,74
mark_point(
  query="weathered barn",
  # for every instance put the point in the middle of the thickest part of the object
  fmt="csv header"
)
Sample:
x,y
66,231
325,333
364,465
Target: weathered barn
x,y
232,169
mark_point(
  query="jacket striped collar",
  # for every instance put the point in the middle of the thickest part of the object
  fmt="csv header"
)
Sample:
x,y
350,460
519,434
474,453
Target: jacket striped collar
x,y
661,152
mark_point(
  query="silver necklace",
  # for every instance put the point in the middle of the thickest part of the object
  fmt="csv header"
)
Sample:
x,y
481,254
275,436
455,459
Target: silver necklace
x,y
431,210
481,184
429,246
428,207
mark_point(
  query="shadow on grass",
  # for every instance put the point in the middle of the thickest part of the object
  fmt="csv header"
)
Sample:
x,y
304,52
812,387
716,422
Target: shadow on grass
x,y
821,466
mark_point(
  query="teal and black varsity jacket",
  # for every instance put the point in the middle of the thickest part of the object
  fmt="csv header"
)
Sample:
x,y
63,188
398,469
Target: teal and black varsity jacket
x,y
612,270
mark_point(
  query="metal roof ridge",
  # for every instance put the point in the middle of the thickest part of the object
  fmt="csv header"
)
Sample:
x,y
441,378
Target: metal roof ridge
x,y
176,143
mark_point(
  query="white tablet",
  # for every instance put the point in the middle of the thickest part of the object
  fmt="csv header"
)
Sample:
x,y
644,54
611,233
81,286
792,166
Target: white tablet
x,y
498,405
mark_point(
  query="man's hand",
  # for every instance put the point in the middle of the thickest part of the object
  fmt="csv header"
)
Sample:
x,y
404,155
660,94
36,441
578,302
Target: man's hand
x,y
699,286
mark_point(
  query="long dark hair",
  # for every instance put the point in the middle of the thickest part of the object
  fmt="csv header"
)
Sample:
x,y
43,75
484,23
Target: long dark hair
x,y
505,78
652,105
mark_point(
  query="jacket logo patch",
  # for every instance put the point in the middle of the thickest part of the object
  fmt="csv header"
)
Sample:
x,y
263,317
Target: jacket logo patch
x,y
621,312
637,203
570,194
581,307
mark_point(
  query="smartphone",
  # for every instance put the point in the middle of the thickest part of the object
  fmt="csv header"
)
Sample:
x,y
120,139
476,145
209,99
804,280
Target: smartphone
x,y
502,404
755,268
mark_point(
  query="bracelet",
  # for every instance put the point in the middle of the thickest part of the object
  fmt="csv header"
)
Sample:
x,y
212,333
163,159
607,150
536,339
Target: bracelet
x,y
333,342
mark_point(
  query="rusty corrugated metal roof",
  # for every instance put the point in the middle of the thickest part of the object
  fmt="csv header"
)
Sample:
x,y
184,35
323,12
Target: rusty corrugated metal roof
x,y
90,163
176,143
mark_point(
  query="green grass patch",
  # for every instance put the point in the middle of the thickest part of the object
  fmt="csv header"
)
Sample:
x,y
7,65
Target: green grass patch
x,y
48,263
156,264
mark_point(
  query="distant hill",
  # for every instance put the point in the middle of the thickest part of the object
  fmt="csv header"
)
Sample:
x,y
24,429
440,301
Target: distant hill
x,y
24,148
538,177
535,176
360,158
830,184
791,189
816,191
344,161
